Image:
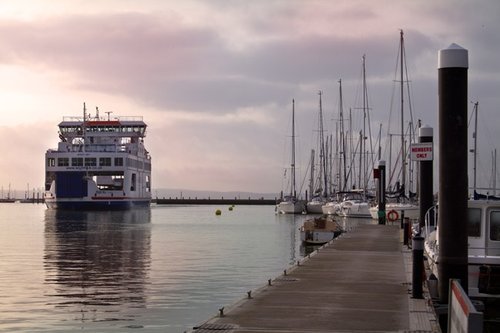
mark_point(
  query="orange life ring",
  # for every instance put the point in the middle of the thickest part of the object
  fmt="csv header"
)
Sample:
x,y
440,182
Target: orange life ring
x,y
392,215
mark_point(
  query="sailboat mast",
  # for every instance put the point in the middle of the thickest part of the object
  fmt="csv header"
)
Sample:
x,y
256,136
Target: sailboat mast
x,y
363,136
292,189
342,154
475,144
322,156
311,180
403,153
493,171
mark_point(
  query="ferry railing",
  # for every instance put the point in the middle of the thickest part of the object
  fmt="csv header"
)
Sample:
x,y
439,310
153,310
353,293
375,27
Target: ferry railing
x,y
123,118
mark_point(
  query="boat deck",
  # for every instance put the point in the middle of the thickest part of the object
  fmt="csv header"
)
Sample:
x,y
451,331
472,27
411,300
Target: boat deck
x,y
358,282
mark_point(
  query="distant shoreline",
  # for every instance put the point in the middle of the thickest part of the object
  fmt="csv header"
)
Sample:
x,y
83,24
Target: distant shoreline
x,y
214,201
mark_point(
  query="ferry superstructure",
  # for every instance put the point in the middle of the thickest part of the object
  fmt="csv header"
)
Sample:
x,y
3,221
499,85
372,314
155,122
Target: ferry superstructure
x,y
100,163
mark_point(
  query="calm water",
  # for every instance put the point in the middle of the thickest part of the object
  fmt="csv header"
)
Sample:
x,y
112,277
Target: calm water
x,y
162,269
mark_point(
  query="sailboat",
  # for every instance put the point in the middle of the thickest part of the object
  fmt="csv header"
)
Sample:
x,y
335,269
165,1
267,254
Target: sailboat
x,y
357,205
290,203
394,210
319,194
8,199
332,204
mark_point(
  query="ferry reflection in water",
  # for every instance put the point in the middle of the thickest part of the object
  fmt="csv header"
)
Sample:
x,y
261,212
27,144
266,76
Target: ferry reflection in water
x,y
97,262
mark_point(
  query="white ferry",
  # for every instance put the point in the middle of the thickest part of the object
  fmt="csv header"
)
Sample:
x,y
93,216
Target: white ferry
x,y
100,163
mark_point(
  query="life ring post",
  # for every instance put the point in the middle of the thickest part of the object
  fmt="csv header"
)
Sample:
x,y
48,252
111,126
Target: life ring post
x,y
392,215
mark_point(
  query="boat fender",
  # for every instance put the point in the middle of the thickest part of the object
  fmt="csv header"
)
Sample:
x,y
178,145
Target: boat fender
x,y
392,215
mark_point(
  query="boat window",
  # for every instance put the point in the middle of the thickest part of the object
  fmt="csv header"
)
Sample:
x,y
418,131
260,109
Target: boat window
x,y
77,161
133,182
118,161
90,161
51,162
474,217
495,225
63,161
105,161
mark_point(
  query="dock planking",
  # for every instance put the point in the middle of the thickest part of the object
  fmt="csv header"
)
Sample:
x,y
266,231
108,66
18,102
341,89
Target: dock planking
x,y
357,283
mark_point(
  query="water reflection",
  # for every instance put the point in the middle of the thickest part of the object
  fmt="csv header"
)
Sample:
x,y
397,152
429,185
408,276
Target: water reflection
x,y
97,261
293,222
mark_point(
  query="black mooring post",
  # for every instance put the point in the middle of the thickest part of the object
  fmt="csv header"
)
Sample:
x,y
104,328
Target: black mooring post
x,y
381,186
406,230
426,179
418,266
453,64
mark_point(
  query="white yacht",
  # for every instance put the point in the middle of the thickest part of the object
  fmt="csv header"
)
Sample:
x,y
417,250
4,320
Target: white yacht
x,y
290,204
355,205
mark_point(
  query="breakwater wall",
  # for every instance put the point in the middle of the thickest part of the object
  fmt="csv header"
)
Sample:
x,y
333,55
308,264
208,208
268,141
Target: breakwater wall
x,y
215,201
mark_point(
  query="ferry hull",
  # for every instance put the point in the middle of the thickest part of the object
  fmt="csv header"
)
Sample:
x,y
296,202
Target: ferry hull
x,y
97,204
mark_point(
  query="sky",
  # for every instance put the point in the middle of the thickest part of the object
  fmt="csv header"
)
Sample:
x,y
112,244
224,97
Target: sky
x,y
214,80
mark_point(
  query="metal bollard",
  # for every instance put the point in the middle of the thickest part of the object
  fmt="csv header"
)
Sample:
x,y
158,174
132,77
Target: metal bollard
x,y
418,266
406,231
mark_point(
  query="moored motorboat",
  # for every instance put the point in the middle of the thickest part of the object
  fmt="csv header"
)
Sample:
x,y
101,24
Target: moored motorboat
x,y
483,249
319,230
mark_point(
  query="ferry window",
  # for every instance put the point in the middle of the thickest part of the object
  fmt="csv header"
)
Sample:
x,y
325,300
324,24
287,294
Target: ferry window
x,y
495,225
51,162
118,161
77,161
474,217
90,161
105,161
63,161
134,181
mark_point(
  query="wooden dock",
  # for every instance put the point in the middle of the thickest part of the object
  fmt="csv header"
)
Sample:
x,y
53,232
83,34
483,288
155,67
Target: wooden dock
x,y
358,282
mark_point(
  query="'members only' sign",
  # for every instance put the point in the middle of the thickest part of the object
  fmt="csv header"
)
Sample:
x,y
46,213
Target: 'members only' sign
x,y
421,151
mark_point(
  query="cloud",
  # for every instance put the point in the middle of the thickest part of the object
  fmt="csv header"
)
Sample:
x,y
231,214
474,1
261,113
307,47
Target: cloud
x,y
215,79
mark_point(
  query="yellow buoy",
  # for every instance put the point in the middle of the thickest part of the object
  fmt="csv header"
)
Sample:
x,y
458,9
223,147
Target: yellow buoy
x,y
218,212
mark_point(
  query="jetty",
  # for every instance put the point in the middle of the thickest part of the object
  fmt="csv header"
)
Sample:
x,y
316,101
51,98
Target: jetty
x,y
215,201
360,281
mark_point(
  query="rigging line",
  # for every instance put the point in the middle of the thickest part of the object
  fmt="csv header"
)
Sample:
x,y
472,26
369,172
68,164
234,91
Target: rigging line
x,y
352,162
391,105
